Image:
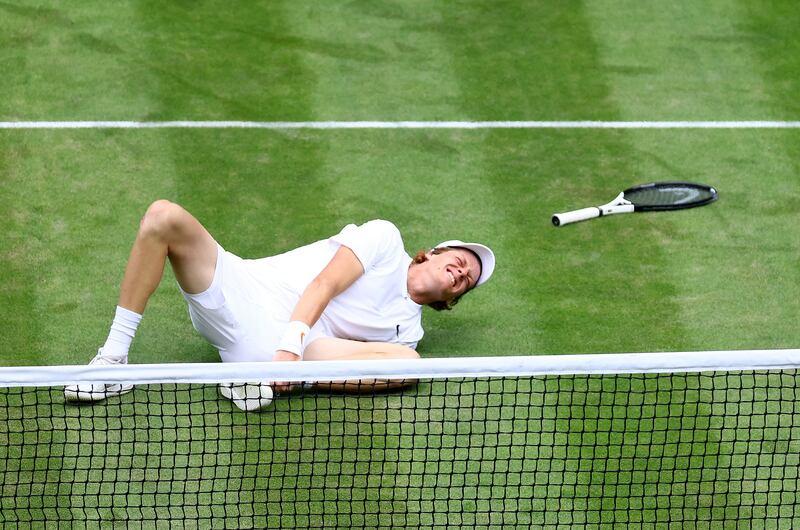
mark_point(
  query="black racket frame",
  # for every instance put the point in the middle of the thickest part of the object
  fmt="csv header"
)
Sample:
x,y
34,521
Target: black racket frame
x,y
656,208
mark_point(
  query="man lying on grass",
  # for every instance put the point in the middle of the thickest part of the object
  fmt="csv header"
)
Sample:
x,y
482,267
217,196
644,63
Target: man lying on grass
x,y
356,295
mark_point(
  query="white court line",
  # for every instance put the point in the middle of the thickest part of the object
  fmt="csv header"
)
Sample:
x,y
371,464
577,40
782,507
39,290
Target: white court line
x,y
280,125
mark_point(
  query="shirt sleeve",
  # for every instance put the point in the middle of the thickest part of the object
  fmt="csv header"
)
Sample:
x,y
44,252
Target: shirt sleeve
x,y
371,242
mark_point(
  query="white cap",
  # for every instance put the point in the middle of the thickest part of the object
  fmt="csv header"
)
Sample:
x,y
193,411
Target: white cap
x,y
484,253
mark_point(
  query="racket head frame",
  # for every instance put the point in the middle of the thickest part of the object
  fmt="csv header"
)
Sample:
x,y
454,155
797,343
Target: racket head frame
x,y
709,195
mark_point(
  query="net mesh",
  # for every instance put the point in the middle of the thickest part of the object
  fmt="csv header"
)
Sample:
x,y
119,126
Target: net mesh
x,y
701,450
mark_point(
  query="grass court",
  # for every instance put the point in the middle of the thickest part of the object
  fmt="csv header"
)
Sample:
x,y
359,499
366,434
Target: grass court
x,y
722,277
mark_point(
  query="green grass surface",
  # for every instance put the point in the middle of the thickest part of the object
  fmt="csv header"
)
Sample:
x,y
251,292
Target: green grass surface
x,y
72,199
716,278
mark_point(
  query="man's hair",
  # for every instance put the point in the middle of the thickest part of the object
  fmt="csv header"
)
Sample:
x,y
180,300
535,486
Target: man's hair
x,y
439,305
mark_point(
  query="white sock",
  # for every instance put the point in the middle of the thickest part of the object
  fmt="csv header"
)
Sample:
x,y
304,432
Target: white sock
x,y
122,332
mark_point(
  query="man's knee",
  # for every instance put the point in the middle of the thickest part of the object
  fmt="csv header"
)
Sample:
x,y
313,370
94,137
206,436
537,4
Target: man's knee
x,y
162,219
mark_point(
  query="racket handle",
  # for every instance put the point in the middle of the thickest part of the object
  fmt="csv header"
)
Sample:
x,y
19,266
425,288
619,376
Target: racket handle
x,y
574,216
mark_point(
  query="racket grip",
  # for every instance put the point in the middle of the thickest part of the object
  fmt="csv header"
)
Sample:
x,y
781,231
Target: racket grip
x,y
574,216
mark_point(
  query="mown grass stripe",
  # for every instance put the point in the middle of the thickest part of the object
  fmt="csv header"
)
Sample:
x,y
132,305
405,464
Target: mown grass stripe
x,y
711,68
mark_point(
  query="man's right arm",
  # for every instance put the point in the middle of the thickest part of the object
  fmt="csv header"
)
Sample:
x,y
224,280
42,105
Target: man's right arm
x,y
340,273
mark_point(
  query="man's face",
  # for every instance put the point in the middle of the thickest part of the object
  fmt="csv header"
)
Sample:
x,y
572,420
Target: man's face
x,y
452,272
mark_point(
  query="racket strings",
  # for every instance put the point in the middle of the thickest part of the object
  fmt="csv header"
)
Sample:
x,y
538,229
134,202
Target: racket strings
x,y
675,196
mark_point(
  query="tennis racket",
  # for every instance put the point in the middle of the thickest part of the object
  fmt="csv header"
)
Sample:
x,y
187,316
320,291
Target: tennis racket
x,y
657,196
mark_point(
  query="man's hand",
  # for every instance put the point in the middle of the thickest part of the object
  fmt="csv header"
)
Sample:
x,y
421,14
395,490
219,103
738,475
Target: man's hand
x,y
283,355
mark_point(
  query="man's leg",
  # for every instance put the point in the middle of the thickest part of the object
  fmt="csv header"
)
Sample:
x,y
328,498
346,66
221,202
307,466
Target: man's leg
x,y
331,349
167,231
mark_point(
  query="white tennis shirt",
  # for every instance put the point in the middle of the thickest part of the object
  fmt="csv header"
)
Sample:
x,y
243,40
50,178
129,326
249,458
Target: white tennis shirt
x,y
375,308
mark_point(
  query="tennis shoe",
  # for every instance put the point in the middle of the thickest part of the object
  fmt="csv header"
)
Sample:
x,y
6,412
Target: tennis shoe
x,y
247,396
98,391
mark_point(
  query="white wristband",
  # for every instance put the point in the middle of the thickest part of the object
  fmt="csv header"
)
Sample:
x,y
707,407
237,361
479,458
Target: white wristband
x,y
294,338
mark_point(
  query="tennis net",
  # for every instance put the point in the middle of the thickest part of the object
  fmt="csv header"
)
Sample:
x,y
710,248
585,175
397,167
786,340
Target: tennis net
x,y
701,440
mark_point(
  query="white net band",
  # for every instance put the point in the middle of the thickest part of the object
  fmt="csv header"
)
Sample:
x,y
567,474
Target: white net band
x,y
536,365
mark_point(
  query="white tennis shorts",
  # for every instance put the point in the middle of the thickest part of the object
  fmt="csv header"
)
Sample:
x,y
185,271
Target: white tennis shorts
x,y
234,313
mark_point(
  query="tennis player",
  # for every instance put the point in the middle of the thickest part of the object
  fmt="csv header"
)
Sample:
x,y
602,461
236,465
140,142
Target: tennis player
x,y
356,295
